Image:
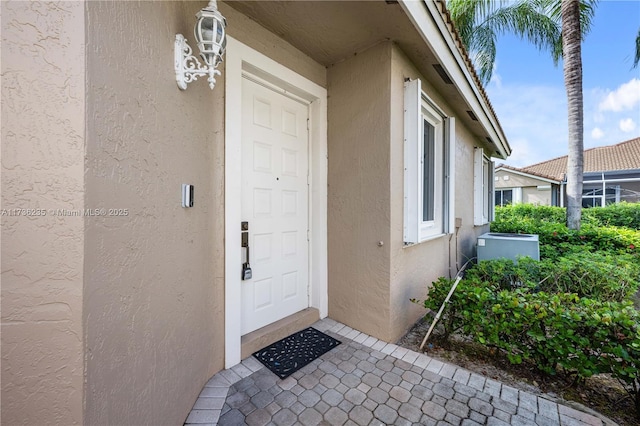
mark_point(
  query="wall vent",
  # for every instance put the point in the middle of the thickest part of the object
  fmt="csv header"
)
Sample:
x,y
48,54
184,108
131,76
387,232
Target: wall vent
x,y
442,73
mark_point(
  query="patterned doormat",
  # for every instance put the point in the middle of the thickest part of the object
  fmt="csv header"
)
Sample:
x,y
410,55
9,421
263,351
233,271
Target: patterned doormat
x,y
290,354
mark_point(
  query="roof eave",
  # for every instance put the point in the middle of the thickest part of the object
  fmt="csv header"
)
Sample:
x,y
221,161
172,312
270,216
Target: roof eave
x,y
434,30
529,175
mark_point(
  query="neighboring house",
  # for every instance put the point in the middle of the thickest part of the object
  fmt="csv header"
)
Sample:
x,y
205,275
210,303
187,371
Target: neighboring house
x,y
514,185
611,175
353,137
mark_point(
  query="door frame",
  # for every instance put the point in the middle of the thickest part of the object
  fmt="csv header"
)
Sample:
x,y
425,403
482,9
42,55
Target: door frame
x,y
240,59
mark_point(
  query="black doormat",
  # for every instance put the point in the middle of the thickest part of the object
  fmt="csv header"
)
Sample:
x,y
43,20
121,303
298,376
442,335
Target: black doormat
x,y
290,354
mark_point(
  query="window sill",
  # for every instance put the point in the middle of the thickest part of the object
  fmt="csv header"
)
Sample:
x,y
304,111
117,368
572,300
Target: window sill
x,y
426,240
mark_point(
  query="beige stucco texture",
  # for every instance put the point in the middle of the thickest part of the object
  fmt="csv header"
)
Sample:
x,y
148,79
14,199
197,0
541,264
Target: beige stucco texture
x,y
534,191
43,124
117,317
372,274
153,294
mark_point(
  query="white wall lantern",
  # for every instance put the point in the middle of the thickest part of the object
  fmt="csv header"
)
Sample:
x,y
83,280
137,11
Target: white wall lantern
x,y
211,39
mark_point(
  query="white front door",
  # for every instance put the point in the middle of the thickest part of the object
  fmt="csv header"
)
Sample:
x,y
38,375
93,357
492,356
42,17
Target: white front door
x,y
275,203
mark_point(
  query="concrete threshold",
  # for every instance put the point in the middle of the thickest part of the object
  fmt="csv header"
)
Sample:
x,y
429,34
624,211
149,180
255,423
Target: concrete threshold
x,y
273,332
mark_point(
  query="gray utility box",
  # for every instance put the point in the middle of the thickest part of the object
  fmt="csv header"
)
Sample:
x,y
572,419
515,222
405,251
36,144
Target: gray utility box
x,y
496,245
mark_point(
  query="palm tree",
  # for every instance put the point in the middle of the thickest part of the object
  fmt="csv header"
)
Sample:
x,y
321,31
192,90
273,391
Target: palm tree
x,y
480,22
556,25
572,56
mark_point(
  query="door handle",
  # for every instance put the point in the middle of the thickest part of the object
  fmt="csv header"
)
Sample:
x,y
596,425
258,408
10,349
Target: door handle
x,y
246,267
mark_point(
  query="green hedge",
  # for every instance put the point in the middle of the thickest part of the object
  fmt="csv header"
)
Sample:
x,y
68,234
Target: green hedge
x,y
571,310
579,335
624,214
557,240
594,275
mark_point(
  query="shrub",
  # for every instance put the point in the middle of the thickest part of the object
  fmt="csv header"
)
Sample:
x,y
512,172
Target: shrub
x,y
557,240
622,215
594,275
571,310
579,335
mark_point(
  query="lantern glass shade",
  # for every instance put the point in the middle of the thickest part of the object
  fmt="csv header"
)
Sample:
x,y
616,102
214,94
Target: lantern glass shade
x,y
210,35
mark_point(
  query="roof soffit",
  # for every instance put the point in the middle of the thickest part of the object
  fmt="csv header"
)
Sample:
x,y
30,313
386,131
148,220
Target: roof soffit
x,y
332,31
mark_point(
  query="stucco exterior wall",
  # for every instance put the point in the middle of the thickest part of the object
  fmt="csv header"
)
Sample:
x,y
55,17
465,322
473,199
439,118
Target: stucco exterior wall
x,y
515,181
533,195
154,302
43,145
359,191
414,268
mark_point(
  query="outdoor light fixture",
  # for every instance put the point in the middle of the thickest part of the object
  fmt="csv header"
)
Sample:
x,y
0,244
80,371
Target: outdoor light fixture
x,y
211,39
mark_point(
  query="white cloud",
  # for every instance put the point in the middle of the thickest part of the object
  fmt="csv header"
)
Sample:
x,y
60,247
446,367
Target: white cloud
x,y
534,121
496,79
627,125
623,98
596,133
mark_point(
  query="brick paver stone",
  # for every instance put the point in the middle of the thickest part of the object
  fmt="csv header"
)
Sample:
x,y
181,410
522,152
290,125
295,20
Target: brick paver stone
x,y
493,421
548,409
336,416
443,390
309,398
259,417
522,421
583,418
476,382
355,396
360,383
480,406
386,414
378,395
528,401
332,397
310,417
410,412
285,417
361,415
452,419
433,410
509,394
400,394
503,405
456,407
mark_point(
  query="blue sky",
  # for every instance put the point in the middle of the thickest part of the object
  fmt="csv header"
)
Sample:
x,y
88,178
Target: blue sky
x,y
527,90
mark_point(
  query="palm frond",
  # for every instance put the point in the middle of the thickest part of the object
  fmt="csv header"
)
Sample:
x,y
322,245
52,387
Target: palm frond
x,y
527,21
636,60
483,52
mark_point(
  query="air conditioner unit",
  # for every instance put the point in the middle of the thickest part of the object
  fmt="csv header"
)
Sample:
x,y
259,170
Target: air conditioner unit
x,y
496,245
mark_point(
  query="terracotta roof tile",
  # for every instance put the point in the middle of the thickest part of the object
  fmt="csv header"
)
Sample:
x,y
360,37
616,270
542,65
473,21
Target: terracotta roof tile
x,y
529,172
623,156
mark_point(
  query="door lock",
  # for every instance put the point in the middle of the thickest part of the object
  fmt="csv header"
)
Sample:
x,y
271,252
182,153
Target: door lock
x,y
246,267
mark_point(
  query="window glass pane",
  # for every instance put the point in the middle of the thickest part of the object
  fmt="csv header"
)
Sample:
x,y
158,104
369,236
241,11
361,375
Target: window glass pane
x,y
485,189
507,197
497,198
428,173
610,197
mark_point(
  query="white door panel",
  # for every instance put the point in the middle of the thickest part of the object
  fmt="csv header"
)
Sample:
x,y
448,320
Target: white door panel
x,y
274,199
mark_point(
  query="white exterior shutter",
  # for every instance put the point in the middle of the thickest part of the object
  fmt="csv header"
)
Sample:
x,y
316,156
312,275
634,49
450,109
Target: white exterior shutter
x,y
412,159
491,196
450,188
478,193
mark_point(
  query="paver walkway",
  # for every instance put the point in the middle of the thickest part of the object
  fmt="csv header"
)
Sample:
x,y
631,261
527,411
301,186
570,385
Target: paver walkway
x,y
365,381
